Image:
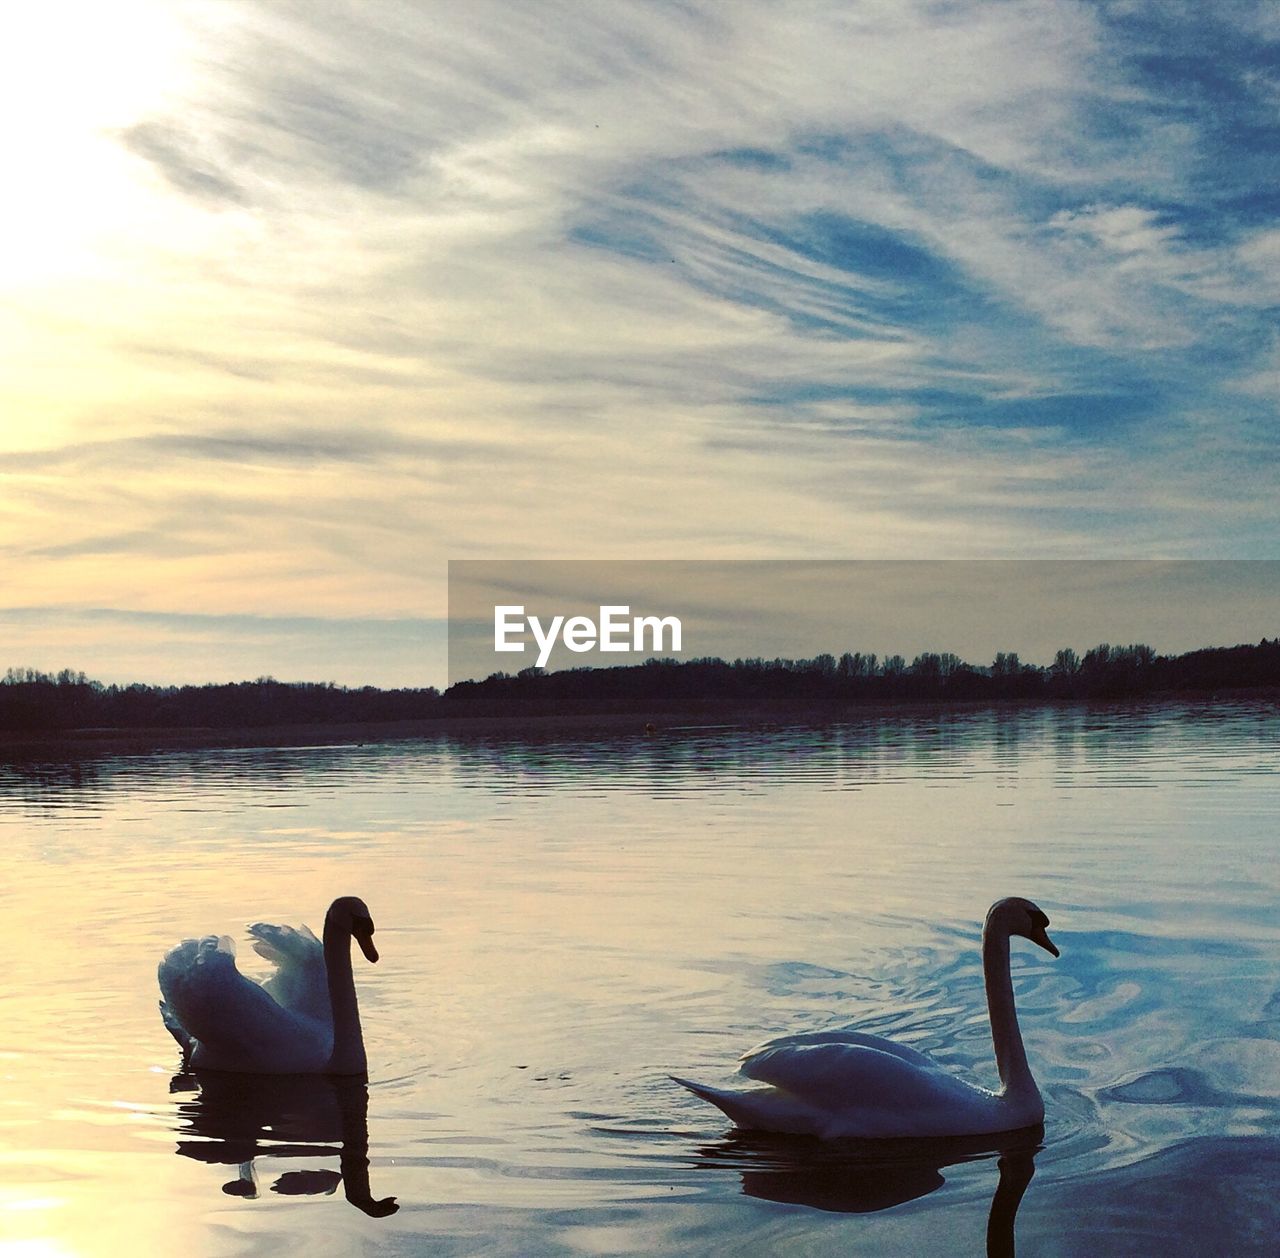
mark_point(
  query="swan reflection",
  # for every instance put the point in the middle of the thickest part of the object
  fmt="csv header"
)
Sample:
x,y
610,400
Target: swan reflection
x,y
862,1177
233,1119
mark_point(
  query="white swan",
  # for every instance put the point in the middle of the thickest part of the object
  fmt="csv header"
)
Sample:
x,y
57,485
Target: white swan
x,y
302,1020
847,1084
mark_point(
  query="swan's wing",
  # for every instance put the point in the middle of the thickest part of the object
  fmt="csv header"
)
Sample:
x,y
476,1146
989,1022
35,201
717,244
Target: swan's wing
x,y
853,1084
831,1041
299,983
231,1021
843,1069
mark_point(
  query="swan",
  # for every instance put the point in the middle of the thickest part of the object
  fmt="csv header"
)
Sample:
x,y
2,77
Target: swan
x,y
302,1020
848,1084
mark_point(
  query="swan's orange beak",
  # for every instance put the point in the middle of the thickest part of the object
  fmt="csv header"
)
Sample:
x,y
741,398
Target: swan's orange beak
x,y
1040,936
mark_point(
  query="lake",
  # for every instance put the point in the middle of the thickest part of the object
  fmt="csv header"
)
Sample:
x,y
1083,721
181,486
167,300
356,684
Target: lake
x,y
564,920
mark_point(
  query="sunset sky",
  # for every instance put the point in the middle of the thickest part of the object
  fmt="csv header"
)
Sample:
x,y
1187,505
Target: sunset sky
x,y
302,300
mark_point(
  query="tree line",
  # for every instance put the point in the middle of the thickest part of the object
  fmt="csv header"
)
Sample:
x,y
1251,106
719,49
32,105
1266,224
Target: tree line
x,y
825,684
31,701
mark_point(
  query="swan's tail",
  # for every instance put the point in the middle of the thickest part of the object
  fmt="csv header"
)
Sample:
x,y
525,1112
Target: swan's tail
x,y
758,1109
714,1095
737,1105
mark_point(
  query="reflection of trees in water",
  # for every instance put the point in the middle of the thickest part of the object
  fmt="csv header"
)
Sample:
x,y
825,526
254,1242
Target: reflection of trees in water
x,y
858,750
42,783
863,1176
854,750
236,1118
85,778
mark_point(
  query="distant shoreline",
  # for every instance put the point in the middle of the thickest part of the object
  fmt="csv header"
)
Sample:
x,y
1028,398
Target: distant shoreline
x,y
25,744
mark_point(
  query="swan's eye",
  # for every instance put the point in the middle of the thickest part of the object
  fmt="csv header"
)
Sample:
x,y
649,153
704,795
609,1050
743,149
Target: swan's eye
x,y
362,925
1039,919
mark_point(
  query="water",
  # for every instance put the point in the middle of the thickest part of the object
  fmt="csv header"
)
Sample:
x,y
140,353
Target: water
x,y
563,921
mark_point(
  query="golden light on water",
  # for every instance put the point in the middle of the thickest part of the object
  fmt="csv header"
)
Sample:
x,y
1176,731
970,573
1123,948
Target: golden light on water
x,y
85,1208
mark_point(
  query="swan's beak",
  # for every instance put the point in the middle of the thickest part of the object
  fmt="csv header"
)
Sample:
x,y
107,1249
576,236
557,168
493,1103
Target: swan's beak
x,y
1040,936
362,933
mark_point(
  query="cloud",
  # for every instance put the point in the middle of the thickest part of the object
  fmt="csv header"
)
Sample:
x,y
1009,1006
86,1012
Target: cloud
x,y
173,153
290,446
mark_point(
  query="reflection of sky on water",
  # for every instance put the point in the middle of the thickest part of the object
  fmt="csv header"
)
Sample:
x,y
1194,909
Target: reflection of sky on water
x,y
564,921
1202,1196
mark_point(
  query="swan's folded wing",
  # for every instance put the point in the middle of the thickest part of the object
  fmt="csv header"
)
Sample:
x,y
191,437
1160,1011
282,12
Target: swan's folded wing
x,y
837,1066
299,982
848,1038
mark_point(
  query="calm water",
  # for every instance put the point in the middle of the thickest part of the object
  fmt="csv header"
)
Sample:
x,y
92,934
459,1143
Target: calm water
x,y
564,921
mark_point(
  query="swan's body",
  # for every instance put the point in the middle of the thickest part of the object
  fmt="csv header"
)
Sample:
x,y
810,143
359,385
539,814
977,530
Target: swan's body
x,y
302,1020
847,1084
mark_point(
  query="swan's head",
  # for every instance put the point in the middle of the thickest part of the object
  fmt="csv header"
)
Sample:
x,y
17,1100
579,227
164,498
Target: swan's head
x,y
1017,916
349,913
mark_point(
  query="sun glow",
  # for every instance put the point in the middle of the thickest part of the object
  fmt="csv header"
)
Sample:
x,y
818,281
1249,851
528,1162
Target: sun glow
x,y
36,1247
72,78
87,225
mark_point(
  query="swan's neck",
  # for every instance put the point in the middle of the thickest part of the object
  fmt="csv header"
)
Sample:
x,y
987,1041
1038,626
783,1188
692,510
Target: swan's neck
x,y
348,1056
1011,1057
